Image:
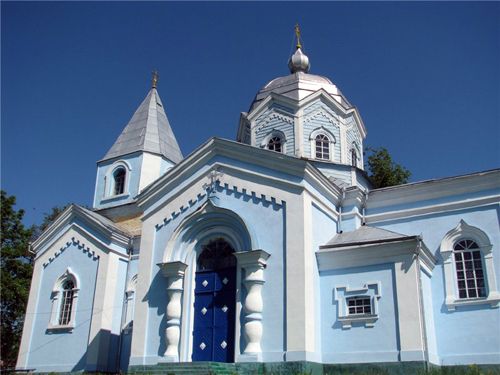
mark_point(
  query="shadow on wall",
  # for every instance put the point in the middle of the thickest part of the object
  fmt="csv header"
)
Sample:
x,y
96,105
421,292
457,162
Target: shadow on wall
x,y
101,355
156,297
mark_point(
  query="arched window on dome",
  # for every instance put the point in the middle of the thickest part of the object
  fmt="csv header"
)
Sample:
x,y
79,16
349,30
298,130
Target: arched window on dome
x,y
119,181
275,144
322,143
354,157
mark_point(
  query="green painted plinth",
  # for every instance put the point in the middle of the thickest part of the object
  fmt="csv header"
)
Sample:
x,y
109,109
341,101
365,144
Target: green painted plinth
x,y
310,368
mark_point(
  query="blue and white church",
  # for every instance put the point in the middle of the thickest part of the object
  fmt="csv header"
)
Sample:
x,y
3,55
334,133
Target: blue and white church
x,y
271,251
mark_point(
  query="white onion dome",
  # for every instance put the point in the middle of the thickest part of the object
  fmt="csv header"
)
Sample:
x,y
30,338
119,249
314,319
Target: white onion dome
x,y
299,83
299,62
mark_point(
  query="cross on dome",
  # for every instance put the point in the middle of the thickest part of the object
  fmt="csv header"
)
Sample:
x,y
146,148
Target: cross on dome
x,y
299,62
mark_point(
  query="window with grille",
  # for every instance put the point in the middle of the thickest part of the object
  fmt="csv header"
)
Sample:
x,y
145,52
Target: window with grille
x,y
322,147
66,302
469,268
359,306
119,177
274,144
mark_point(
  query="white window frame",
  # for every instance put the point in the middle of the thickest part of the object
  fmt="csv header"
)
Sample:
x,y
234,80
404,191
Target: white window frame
x,y
463,231
342,293
331,144
57,301
109,182
272,134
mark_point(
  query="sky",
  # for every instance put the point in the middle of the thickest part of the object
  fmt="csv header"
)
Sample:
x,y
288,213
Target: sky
x,y
425,77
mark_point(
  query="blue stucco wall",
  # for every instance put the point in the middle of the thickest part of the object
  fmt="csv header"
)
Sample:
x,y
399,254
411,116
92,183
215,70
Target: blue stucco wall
x,y
462,336
324,227
47,347
359,343
101,198
266,222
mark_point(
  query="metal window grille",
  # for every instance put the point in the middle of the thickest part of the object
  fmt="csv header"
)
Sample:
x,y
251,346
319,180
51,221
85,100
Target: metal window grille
x,y
322,147
274,144
66,303
469,268
359,305
119,177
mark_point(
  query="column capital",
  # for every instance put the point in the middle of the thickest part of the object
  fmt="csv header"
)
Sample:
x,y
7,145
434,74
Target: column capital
x,y
170,269
252,258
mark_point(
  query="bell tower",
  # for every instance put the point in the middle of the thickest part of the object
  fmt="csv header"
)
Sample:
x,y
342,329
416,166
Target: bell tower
x,y
144,151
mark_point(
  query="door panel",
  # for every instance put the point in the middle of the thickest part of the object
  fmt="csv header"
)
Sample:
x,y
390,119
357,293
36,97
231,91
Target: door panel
x,y
214,315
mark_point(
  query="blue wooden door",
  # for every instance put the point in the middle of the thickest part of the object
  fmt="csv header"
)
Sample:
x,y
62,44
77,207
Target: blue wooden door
x,y
214,315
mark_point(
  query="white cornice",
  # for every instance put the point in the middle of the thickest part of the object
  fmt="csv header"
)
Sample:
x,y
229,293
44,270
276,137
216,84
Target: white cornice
x,y
113,234
244,153
375,252
431,209
296,104
433,189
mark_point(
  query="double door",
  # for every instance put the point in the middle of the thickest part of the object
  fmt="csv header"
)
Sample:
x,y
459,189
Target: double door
x,y
214,315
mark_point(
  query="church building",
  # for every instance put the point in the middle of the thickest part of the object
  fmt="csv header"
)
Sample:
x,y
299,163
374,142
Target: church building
x,y
271,251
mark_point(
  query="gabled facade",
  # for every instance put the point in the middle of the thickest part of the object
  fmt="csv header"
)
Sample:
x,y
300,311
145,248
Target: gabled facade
x,y
270,251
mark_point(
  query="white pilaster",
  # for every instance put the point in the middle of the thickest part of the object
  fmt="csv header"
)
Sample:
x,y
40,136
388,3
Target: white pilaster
x,y
253,263
174,272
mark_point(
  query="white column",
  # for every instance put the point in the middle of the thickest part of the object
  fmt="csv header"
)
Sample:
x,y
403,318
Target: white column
x,y
174,272
253,264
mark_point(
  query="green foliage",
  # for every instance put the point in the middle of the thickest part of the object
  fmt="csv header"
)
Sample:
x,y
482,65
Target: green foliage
x,y
16,267
47,220
383,171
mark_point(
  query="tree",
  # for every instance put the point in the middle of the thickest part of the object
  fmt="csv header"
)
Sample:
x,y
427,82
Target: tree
x,y
48,219
383,171
16,266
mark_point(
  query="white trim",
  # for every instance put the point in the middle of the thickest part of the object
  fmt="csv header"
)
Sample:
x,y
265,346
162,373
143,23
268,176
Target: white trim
x,y
331,143
371,289
56,302
109,182
465,231
275,133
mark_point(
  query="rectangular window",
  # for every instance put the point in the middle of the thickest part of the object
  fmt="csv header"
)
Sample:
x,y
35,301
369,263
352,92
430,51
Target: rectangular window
x,y
470,275
66,306
359,306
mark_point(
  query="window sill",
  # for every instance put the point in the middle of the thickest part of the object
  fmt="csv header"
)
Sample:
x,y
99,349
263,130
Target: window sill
x,y
61,328
368,320
493,300
114,197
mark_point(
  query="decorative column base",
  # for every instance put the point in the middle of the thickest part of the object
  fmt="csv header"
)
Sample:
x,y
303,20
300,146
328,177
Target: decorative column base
x,y
253,263
174,272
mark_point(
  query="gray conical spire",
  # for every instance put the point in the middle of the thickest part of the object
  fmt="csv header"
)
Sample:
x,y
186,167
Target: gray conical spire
x,y
148,130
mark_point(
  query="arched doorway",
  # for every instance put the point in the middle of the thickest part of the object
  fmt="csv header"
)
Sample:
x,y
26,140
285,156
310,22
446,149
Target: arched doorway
x,y
214,304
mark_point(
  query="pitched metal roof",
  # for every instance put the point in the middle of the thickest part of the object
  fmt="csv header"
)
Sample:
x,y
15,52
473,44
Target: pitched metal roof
x,y
148,130
365,235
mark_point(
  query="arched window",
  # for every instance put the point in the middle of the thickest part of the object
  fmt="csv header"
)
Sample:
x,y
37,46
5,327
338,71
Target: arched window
x,y
469,272
64,297
274,144
217,254
119,181
469,268
354,157
322,143
68,291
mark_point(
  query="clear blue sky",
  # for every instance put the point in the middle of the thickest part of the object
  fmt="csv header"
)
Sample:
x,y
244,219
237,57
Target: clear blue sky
x,y
425,77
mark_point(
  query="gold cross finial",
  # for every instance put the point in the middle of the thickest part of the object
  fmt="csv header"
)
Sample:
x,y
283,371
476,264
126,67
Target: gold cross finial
x,y
297,34
154,80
